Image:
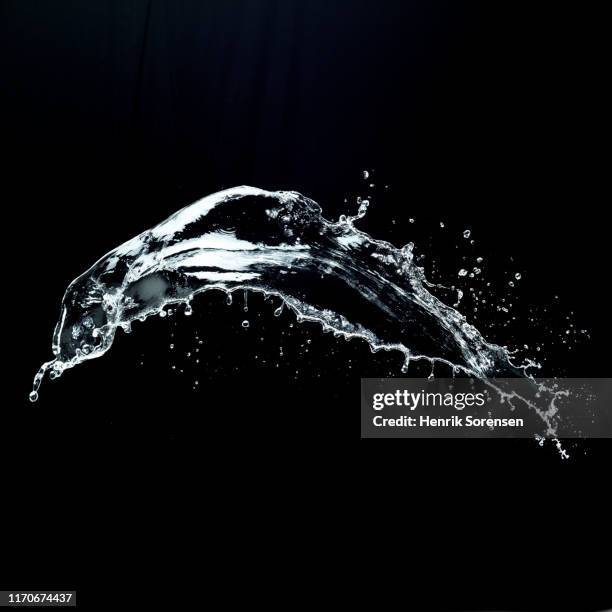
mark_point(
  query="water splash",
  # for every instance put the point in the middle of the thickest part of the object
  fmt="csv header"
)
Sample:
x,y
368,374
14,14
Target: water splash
x,y
277,243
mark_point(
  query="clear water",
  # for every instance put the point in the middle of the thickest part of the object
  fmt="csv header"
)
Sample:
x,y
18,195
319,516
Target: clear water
x,y
277,243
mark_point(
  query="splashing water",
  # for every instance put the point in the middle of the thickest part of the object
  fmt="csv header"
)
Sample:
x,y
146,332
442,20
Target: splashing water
x,y
277,243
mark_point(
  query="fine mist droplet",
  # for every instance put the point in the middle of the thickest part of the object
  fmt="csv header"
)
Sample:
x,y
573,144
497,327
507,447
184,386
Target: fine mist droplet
x,y
245,324
33,396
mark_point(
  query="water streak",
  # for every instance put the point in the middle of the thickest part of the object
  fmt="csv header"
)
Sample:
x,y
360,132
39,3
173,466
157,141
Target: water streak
x,y
277,243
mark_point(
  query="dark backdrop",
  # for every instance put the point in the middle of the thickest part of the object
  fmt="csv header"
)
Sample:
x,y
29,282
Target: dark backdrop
x,y
114,114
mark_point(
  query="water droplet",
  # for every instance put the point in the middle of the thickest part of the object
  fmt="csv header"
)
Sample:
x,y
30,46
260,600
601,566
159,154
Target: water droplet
x,y
511,283
441,223
366,174
517,276
410,220
462,272
33,396
363,209
467,233
245,324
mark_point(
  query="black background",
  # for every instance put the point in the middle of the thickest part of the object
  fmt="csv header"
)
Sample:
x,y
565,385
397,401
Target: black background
x,y
115,114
